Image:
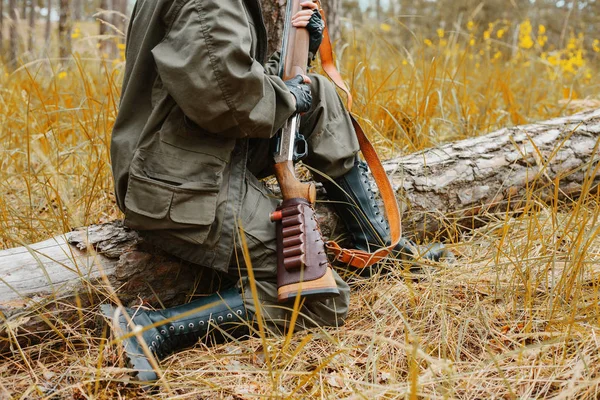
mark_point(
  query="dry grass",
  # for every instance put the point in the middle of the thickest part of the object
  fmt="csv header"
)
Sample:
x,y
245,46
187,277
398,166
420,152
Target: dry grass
x,y
517,317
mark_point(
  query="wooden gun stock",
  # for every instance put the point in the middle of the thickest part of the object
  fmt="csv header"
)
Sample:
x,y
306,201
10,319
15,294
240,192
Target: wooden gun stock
x,y
290,186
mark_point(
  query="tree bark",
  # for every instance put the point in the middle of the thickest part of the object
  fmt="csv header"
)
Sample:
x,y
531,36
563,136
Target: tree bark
x,y
274,13
64,29
455,184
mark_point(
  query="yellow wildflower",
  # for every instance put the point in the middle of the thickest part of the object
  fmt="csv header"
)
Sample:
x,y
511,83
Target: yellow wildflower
x,y
121,46
596,45
541,30
472,42
553,60
440,33
428,42
76,33
62,75
385,27
470,25
525,29
487,35
500,33
497,55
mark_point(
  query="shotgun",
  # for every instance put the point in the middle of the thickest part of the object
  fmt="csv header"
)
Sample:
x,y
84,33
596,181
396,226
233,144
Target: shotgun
x,y
302,265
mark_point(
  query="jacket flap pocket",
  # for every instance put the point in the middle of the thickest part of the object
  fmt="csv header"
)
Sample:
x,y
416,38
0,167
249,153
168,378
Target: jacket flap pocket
x,y
147,198
196,208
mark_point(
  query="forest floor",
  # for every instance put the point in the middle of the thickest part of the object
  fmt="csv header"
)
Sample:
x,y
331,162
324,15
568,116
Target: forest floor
x,y
516,317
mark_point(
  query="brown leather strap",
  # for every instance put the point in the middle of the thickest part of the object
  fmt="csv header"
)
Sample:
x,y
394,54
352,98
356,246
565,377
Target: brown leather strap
x,y
353,257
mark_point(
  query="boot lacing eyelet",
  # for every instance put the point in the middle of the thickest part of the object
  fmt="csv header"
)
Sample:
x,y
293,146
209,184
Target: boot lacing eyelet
x,y
229,316
201,323
191,325
181,327
239,312
163,332
154,344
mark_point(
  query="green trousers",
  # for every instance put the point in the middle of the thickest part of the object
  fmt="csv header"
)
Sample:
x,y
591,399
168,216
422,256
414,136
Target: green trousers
x,y
332,147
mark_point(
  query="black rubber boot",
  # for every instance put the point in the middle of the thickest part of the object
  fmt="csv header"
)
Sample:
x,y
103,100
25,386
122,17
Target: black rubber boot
x,y
355,203
216,317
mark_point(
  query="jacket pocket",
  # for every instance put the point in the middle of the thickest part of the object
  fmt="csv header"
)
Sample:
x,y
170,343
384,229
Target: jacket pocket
x,y
182,133
168,193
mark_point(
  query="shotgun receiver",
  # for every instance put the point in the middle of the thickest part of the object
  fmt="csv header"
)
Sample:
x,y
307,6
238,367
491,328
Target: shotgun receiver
x,y
302,265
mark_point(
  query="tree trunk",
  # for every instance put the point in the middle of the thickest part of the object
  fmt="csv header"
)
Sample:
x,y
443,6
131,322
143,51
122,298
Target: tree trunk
x,y
274,13
78,10
31,40
455,183
333,11
64,29
115,17
14,43
48,30
120,16
105,43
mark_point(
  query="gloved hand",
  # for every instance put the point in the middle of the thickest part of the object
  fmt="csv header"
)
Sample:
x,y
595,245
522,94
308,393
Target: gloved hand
x,y
315,29
310,18
299,87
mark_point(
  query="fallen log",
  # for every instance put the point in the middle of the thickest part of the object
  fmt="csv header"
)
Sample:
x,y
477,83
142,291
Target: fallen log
x,y
454,185
44,286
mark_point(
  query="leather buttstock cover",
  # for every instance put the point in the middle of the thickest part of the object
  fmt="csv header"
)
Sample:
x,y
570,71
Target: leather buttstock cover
x,y
301,254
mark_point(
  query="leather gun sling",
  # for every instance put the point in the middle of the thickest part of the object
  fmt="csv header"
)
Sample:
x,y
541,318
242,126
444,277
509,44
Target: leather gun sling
x,y
354,257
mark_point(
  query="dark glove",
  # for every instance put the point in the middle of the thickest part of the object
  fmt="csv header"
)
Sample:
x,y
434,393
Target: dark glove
x,y
301,92
315,29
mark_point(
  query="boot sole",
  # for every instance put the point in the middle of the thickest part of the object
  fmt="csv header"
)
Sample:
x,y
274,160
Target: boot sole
x,y
318,289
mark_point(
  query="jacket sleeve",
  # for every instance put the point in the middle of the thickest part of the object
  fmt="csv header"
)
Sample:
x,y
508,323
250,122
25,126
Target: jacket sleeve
x,y
205,64
272,66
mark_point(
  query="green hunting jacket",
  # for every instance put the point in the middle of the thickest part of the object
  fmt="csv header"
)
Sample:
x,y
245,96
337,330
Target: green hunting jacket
x,y
195,90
